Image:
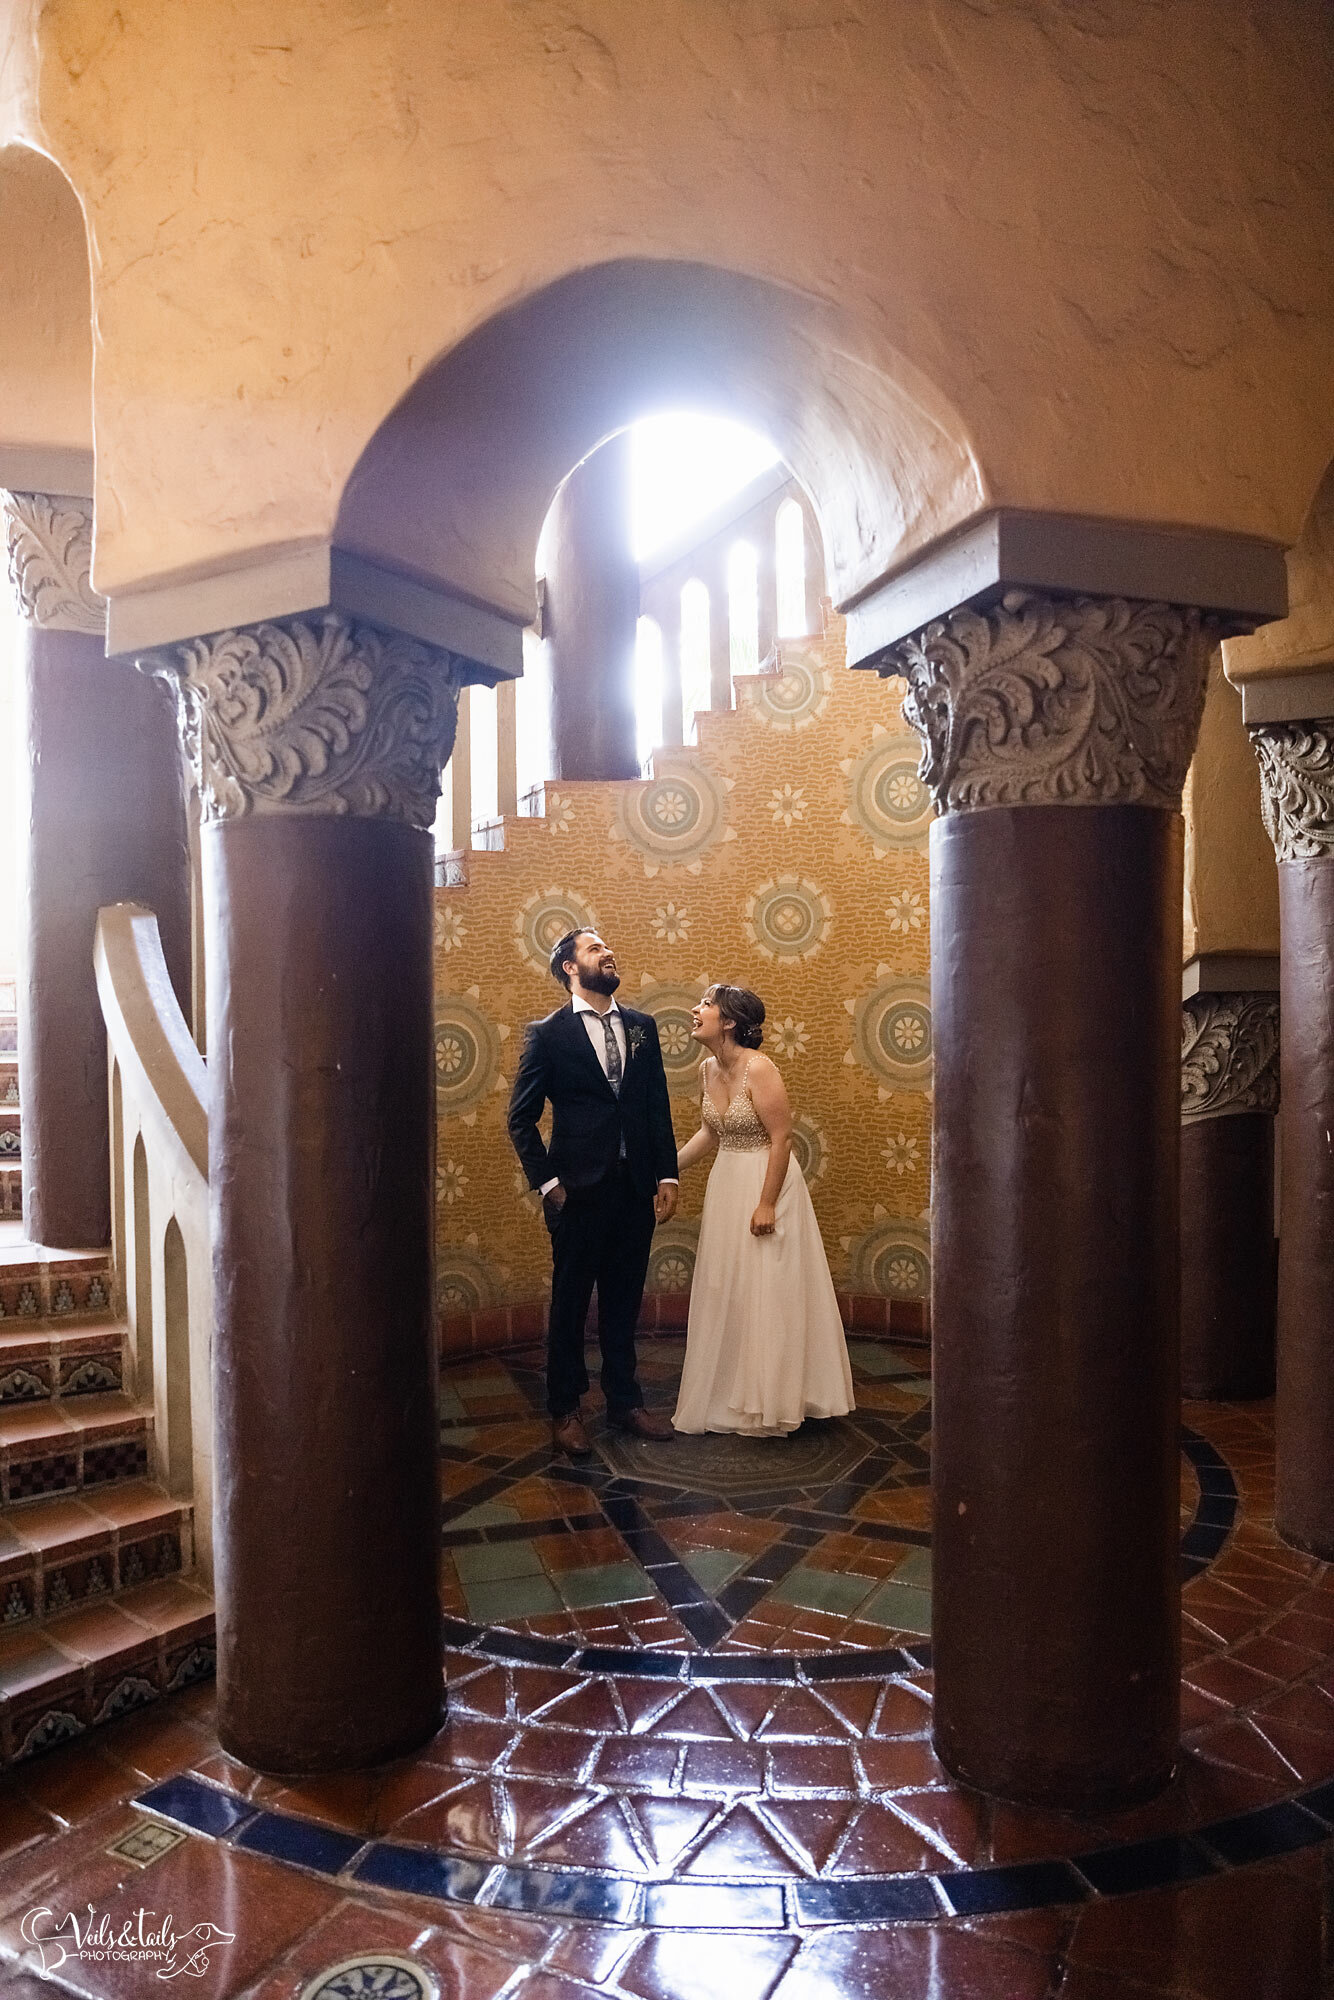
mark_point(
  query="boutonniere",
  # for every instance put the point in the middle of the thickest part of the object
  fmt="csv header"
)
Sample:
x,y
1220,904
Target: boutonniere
x,y
634,1038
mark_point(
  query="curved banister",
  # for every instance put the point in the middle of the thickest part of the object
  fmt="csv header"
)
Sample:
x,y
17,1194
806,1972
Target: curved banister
x,y
147,1030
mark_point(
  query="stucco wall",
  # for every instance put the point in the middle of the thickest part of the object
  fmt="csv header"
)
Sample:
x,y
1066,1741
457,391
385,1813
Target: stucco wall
x,y
1088,231
788,853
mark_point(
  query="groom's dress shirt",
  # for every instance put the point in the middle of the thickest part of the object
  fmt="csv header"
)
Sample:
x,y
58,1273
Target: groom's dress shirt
x,y
597,1038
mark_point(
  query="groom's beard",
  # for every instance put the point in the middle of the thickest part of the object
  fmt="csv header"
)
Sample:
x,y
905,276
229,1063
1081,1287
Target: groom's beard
x,y
600,982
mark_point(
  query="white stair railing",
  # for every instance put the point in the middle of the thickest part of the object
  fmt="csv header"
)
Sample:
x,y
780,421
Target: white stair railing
x,y
159,1203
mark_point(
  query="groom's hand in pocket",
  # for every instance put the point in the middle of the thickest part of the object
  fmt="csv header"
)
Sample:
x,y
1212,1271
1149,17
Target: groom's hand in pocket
x,y
664,1201
553,1201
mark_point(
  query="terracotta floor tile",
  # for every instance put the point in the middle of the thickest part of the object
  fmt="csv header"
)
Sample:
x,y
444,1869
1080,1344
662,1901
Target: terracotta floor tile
x,y
880,1843
632,1763
669,1964
914,1962
599,1839
351,1930
45,1524
153,1743
902,1713
1250,1935
899,1761
264,1905
22,1821
470,1820
810,1828
956,1821
668,1826
796,1768
97,1631
551,1753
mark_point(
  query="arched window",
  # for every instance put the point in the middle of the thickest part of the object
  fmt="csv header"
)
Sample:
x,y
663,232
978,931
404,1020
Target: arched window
x,y
648,689
743,609
695,652
790,569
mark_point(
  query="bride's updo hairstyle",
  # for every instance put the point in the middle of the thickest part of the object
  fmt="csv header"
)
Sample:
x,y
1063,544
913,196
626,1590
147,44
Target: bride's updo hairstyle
x,y
745,1011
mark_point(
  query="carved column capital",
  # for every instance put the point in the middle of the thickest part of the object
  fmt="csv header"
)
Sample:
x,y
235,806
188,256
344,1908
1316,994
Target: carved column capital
x,y
315,714
1057,701
49,541
1229,1055
1297,786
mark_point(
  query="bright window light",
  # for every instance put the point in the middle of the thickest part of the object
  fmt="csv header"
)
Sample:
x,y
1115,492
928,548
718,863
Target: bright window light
x,y
648,689
790,569
743,609
696,653
485,755
682,466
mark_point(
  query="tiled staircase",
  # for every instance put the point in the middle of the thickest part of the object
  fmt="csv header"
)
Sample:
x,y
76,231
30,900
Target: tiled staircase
x,y
11,1172
100,1611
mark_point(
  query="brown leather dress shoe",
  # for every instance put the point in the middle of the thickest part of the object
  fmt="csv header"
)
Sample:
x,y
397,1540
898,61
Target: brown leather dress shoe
x,y
643,1424
568,1435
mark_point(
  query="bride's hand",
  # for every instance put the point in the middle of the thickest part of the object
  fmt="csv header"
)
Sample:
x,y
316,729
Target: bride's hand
x,y
762,1222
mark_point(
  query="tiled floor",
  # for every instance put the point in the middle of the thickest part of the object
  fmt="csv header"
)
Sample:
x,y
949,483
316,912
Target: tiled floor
x,y
688,1752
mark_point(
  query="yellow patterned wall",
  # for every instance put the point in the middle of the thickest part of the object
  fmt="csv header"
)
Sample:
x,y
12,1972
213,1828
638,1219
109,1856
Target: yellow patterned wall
x,y
786,852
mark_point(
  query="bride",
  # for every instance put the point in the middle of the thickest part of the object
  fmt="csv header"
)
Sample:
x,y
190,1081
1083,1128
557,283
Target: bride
x,y
764,1342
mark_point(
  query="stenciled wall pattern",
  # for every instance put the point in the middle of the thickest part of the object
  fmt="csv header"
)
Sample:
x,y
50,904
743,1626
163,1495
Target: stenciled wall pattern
x,y
787,852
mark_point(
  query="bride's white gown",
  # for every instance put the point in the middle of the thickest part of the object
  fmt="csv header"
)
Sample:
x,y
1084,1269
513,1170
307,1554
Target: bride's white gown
x,y
764,1343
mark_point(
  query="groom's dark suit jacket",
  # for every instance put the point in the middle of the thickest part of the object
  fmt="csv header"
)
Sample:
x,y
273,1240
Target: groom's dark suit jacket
x,y
588,1120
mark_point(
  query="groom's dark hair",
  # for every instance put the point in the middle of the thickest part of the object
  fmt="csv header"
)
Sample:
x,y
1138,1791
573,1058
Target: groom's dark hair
x,y
563,949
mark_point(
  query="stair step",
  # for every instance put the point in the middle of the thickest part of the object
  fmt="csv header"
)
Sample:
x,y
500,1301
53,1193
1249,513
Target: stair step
x,y
38,1287
61,1446
91,1664
58,1553
45,1359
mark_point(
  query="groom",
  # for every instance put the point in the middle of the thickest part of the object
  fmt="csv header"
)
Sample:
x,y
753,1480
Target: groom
x,y
608,1176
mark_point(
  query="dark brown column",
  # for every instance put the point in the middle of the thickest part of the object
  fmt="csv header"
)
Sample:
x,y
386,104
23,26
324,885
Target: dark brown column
x,y
317,789
1229,1092
590,609
1058,733
1297,773
105,823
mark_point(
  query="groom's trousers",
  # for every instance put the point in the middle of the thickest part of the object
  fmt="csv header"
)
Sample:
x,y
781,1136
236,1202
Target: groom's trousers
x,y
600,1236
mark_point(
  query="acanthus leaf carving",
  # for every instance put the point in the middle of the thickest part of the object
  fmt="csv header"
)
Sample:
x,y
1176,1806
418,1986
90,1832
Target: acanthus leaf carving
x,y
49,541
1229,1055
1296,762
1057,701
314,715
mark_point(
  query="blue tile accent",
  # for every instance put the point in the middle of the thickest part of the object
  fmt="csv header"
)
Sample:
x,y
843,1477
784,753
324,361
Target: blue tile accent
x,y
604,1899
883,1899
1144,1864
301,1842
203,1808
1030,1885
1269,1830
417,1872
703,1906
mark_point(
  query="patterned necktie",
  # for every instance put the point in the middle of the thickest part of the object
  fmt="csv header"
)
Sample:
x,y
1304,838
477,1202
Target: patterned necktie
x,y
613,1054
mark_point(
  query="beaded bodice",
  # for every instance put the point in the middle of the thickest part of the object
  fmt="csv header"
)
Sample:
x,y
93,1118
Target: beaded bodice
x,y
740,1128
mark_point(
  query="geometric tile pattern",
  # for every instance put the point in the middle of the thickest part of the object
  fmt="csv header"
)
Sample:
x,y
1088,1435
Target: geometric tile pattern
x,y
815,1542
772,1826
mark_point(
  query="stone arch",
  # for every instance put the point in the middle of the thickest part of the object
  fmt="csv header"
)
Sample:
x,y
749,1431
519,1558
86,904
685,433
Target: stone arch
x,y
455,484
46,340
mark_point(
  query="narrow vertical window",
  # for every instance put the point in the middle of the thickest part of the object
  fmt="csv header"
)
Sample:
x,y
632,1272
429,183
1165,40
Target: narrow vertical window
x,y
695,652
790,569
648,689
485,756
743,609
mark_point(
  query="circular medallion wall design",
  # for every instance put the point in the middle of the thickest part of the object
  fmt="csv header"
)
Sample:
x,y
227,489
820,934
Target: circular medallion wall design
x,y
467,1055
809,1149
892,1034
788,918
671,1007
675,818
381,1976
464,1282
543,921
886,798
893,1258
796,697
671,1261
